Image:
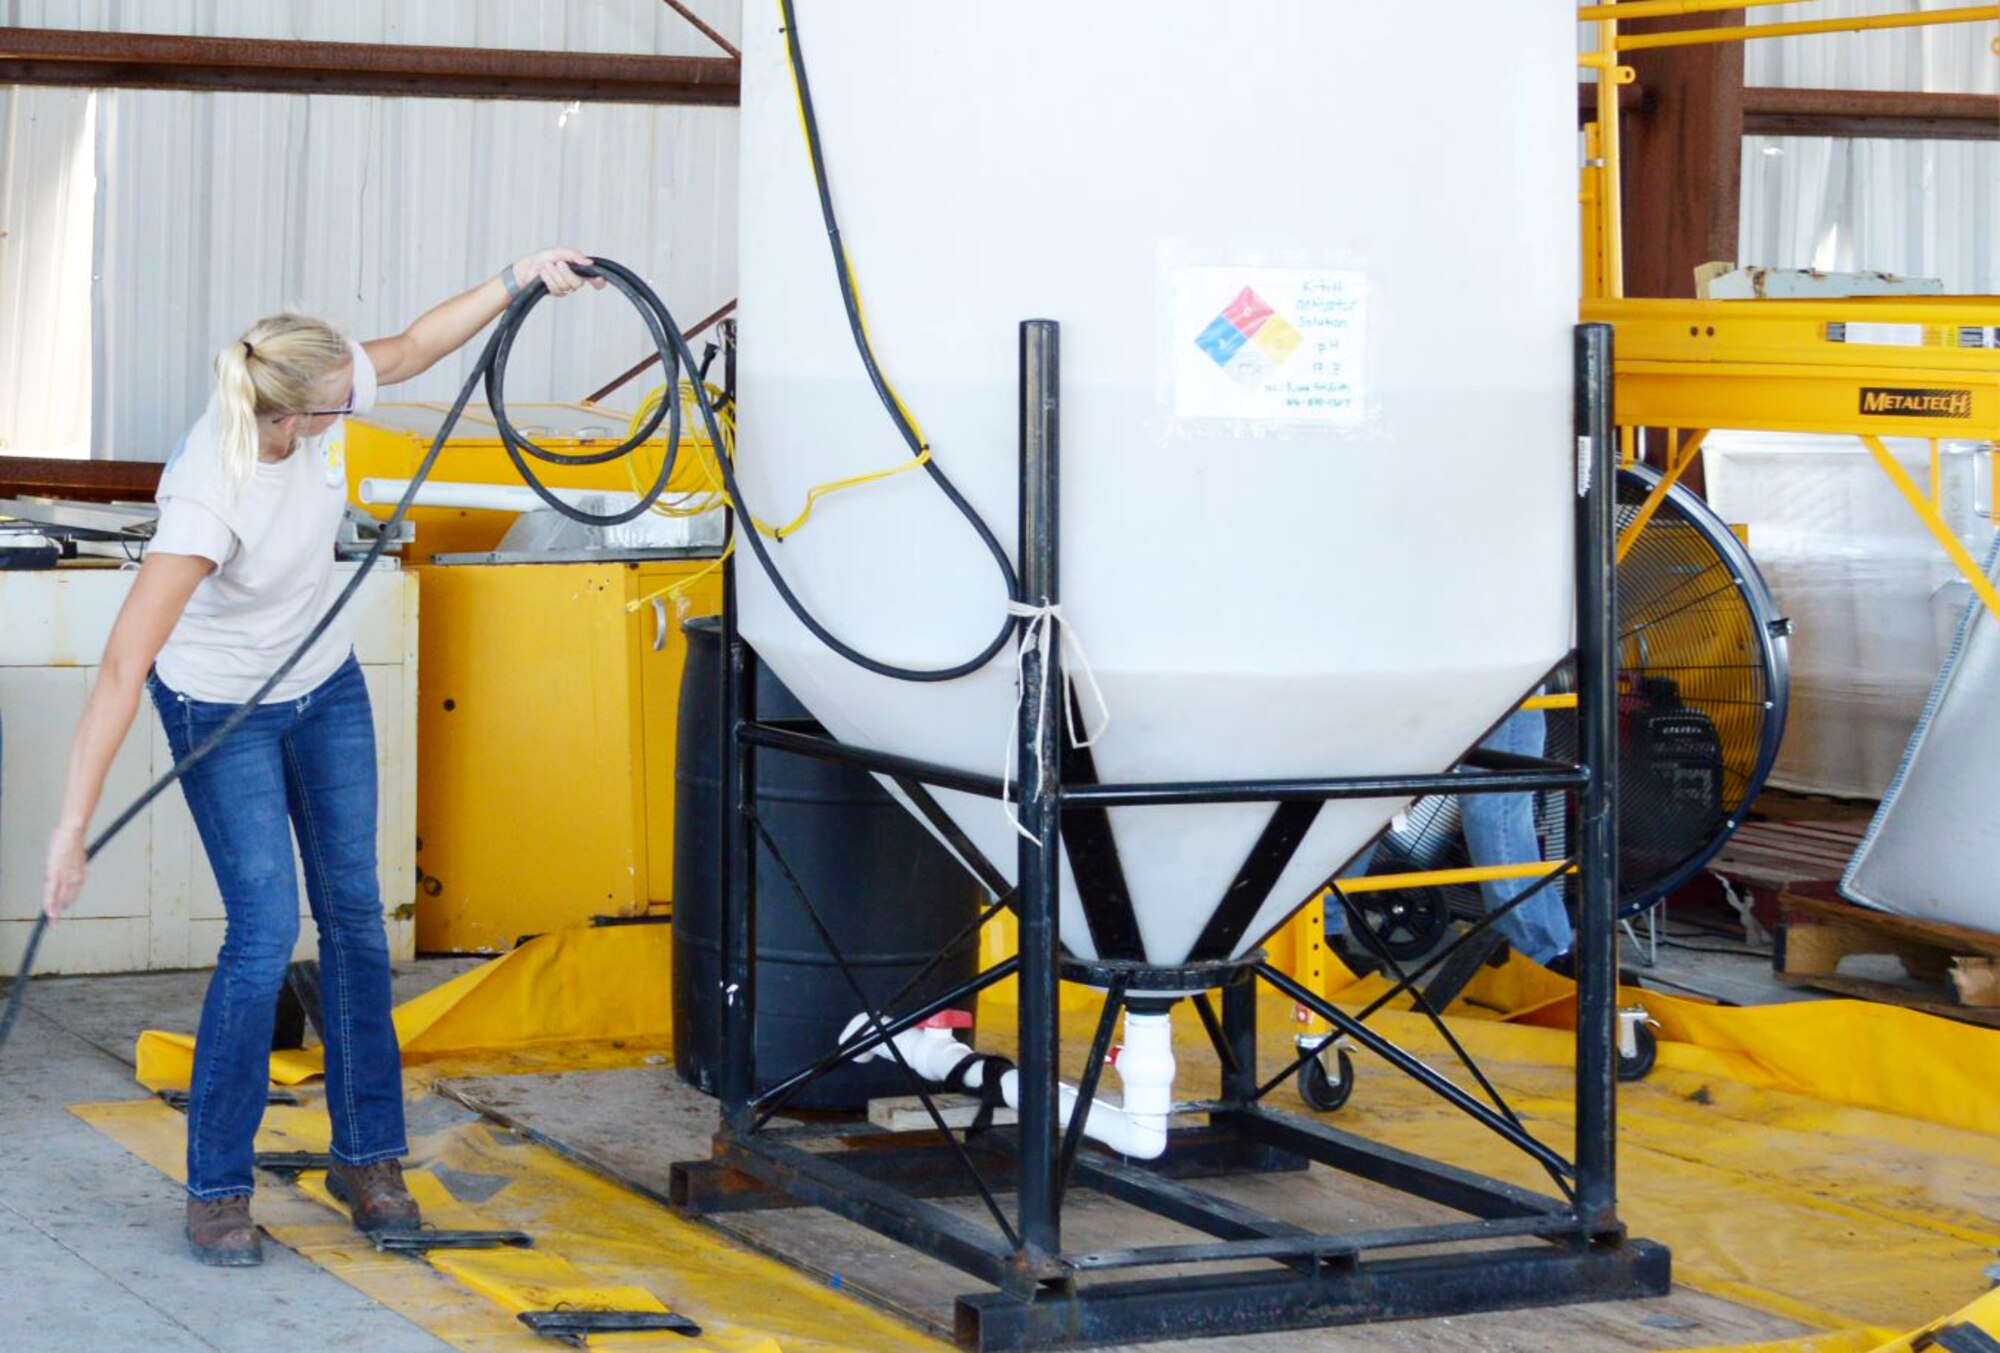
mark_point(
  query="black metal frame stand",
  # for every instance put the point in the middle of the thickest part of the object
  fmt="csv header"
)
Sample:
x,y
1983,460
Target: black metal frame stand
x,y
1516,1247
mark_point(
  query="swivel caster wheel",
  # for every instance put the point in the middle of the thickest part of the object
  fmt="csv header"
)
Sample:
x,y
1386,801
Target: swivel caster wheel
x,y
1324,1093
1638,1047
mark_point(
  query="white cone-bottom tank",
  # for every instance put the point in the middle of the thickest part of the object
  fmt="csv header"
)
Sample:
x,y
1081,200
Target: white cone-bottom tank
x,y
1316,270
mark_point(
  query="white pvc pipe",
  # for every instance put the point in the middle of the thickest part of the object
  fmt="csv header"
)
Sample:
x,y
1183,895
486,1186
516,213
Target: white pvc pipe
x,y
1145,1067
484,497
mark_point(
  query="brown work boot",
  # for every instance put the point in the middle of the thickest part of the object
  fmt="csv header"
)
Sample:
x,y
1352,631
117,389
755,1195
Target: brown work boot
x,y
220,1232
375,1196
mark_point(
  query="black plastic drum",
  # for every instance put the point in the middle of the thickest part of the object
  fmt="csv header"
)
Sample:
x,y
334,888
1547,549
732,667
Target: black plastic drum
x,y
889,892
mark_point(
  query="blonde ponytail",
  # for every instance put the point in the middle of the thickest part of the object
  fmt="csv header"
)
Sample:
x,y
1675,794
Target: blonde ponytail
x,y
274,369
238,404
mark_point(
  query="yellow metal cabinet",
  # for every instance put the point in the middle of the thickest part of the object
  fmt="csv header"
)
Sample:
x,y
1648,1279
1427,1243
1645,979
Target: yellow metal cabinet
x,y
546,736
390,441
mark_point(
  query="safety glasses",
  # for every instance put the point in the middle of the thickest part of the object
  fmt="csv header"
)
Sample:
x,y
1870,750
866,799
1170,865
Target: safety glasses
x,y
340,412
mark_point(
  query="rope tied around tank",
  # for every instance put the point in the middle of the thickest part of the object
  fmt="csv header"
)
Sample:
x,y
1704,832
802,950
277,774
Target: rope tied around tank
x,y
1043,629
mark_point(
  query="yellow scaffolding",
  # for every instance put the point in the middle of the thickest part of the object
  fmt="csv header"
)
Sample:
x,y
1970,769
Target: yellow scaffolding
x,y
1868,367
1794,366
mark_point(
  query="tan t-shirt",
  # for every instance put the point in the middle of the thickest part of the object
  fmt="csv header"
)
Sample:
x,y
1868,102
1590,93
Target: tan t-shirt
x,y
272,544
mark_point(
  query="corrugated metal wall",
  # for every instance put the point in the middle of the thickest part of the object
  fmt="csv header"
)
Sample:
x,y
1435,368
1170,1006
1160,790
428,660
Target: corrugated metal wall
x,y
47,140
1920,208
213,209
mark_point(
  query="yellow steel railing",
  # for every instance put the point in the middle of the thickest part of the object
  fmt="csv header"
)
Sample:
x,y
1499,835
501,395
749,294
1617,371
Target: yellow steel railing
x,y
1926,508
1444,878
1667,9
1698,37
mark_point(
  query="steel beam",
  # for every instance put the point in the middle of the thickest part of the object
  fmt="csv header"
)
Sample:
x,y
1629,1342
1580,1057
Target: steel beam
x,y
827,1180
87,481
1418,1176
1306,1278
1298,1244
1038,768
1318,791
50,56
822,748
1206,1305
736,874
705,1188
1597,806
1193,1208
1682,157
1871,113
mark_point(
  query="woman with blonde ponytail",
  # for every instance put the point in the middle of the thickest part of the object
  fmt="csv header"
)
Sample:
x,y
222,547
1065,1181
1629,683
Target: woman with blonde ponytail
x,y
278,364
239,571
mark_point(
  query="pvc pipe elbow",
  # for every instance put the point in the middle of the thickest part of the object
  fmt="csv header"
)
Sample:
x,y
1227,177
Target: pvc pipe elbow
x,y
1146,1066
1142,1136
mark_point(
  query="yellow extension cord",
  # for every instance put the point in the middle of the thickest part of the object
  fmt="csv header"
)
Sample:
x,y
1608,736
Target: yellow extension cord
x,y
711,495
707,498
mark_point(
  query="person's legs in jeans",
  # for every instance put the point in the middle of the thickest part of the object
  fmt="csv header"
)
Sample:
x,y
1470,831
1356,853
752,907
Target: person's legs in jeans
x,y
237,797
1358,867
329,780
1500,829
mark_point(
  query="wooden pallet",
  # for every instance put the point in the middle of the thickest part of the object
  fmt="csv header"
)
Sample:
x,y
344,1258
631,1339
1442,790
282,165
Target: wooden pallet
x,y
1780,854
1953,970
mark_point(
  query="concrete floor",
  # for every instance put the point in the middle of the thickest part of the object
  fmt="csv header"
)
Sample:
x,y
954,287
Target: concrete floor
x,y
1689,959
91,1250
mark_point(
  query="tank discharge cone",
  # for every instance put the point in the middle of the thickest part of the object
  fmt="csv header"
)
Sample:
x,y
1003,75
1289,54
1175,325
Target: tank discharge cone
x,y
1318,470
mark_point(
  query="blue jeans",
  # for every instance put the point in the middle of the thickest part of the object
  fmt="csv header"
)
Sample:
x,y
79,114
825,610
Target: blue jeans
x,y
304,765
1500,829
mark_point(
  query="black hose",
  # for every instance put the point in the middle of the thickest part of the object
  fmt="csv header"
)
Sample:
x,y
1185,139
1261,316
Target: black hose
x,y
659,324
491,368
35,934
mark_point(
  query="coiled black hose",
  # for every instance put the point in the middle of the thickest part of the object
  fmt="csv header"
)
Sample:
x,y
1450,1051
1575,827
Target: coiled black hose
x,y
659,325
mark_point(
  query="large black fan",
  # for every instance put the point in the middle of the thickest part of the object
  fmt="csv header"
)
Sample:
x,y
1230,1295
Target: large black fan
x,y
1703,684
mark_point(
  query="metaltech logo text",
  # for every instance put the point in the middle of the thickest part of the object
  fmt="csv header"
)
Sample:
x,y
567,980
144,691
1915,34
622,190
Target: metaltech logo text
x,y
1877,399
